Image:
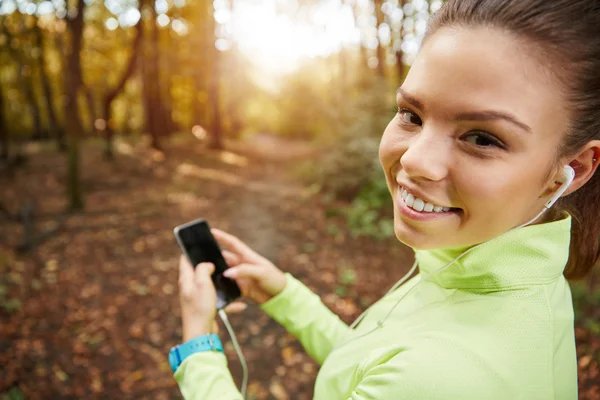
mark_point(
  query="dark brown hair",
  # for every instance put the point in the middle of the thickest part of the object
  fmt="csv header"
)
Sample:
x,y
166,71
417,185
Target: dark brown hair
x,y
566,34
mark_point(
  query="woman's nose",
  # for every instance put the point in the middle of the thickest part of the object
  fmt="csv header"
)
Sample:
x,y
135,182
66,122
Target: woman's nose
x,y
427,157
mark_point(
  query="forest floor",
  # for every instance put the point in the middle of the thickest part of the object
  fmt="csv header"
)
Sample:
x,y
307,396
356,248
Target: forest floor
x,y
92,310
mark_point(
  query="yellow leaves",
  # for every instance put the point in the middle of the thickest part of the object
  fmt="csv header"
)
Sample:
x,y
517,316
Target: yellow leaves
x,y
139,246
168,288
585,361
277,390
97,385
287,353
60,374
291,356
138,288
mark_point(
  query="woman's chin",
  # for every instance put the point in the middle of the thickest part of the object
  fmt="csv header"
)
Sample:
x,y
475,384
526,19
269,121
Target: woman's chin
x,y
415,238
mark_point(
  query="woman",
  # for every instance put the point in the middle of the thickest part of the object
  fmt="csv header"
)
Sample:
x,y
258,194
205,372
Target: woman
x,y
503,94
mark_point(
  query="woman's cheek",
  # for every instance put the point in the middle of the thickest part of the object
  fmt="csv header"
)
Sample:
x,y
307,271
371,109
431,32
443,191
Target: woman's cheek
x,y
391,147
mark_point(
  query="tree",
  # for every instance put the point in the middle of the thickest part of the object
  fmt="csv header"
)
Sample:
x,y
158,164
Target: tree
x,y
399,52
47,90
113,92
73,81
3,131
154,111
16,47
216,139
380,50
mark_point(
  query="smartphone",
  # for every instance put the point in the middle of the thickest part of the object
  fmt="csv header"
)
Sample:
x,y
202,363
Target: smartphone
x,y
199,245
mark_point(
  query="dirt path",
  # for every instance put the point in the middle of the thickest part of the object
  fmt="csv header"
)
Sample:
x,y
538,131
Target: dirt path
x,y
98,304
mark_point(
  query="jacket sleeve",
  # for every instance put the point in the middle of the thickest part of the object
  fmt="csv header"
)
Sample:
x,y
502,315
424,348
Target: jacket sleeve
x,y
205,376
302,313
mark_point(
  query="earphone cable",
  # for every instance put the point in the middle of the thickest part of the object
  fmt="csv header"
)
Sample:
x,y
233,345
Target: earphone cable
x,y
238,350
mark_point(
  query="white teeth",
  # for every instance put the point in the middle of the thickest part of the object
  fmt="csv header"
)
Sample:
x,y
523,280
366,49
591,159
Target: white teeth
x,y
419,205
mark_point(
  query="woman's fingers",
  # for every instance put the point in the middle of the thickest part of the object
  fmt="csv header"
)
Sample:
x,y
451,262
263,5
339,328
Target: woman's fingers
x,y
234,244
231,259
235,307
186,276
244,271
203,273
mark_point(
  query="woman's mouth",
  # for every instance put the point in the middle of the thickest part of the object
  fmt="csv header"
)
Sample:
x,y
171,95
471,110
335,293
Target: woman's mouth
x,y
419,209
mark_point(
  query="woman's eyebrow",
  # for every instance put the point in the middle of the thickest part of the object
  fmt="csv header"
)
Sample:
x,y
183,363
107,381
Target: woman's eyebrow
x,y
487,115
409,98
490,115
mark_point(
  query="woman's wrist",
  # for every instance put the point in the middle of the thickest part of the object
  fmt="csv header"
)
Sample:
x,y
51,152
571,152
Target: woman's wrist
x,y
192,330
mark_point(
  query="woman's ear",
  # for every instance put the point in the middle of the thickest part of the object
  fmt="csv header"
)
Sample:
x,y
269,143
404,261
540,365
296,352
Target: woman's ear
x,y
584,164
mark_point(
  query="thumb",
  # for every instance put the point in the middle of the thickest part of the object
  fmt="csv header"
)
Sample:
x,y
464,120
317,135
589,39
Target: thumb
x,y
203,272
252,271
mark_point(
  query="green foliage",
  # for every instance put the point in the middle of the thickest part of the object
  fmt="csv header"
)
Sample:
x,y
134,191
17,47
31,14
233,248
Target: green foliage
x,y
13,394
584,299
367,214
346,278
349,169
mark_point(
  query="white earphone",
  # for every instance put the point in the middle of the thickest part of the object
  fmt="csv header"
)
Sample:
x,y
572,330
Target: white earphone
x,y
567,179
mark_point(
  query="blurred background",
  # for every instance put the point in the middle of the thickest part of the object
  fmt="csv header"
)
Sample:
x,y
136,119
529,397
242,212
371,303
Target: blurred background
x,y
120,119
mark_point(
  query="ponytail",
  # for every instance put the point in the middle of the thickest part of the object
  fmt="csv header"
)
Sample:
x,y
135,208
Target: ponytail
x,y
584,207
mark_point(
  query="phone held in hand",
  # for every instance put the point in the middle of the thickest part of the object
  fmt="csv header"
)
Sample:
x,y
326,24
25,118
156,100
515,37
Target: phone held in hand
x,y
199,245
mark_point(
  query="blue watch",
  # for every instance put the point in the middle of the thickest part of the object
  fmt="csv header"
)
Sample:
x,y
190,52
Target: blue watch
x,y
196,345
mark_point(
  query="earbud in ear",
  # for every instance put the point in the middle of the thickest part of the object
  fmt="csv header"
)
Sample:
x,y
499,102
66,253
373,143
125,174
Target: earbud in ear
x,y
567,179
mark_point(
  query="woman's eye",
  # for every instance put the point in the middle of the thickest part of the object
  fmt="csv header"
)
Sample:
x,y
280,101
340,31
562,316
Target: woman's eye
x,y
483,140
409,117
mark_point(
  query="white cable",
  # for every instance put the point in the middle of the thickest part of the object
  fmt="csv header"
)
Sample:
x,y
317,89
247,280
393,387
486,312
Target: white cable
x,y
400,282
238,350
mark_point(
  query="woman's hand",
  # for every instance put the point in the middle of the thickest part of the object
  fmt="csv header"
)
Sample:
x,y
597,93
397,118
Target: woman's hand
x,y
257,277
198,299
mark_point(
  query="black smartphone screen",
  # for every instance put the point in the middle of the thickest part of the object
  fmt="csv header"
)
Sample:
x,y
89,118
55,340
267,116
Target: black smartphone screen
x,y
198,243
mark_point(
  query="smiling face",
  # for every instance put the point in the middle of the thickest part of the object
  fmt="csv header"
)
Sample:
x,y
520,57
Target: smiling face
x,y
477,131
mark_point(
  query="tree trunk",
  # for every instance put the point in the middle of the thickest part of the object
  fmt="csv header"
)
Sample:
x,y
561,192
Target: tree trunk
x,y
47,89
155,122
198,56
61,138
3,132
400,65
380,49
91,106
399,53
216,140
114,92
72,122
25,79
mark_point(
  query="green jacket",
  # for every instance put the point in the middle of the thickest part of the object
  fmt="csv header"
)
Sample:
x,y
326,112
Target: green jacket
x,y
497,324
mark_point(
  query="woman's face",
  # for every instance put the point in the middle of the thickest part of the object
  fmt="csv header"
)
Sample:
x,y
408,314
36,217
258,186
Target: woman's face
x,y
479,124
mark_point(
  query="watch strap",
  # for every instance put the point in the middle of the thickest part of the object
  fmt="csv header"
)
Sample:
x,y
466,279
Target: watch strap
x,y
198,344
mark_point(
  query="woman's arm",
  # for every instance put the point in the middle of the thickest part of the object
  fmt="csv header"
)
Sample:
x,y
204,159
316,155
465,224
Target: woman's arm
x,y
205,376
304,315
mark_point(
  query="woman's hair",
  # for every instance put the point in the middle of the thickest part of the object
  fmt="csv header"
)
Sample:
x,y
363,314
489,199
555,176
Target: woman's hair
x,y
565,34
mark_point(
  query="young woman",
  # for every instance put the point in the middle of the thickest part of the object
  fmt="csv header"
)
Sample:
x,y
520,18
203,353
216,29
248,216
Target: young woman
x,y
503,95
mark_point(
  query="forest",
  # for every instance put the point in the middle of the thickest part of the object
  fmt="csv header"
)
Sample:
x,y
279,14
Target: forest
x,y
120,119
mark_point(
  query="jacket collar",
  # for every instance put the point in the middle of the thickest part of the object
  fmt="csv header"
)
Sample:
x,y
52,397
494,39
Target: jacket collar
x,y
534,254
